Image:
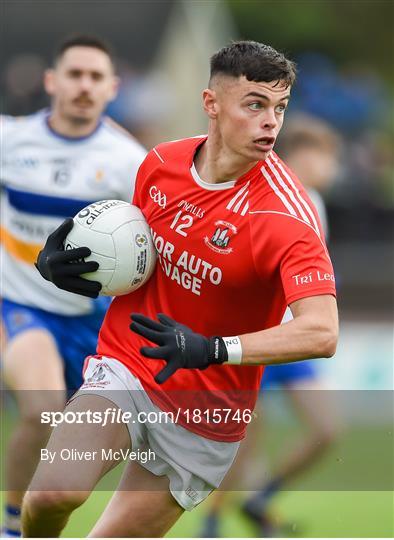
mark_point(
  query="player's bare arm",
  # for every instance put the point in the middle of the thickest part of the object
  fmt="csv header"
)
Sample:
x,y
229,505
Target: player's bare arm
x,y
313,333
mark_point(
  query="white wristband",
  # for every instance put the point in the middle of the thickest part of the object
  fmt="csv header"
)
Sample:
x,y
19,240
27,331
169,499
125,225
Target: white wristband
x,y
234,349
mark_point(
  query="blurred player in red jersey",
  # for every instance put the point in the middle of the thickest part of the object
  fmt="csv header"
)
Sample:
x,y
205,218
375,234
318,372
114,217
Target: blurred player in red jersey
x,y
238,240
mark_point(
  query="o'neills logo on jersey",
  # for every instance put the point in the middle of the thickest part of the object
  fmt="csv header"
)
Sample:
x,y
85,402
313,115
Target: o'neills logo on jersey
x,y
220,239
191,208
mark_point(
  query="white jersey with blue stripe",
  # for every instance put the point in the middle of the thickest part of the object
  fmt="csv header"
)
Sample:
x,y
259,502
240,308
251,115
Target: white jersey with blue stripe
x,y
45,178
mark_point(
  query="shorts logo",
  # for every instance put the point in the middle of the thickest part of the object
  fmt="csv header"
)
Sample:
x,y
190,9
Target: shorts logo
x,y
158,197
221,238
97,377
192,493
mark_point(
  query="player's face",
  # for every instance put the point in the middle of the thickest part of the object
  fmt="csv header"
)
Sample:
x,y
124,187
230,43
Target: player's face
x,y
81,84
249,115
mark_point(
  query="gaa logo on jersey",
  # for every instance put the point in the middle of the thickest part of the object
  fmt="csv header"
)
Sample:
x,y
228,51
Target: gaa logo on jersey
x,y
219,241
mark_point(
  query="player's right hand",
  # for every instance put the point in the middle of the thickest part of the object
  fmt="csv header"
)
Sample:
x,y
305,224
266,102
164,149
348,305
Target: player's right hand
x,y
178,345
64,267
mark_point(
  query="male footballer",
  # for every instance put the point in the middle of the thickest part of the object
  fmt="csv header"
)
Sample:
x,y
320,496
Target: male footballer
x,y
238,241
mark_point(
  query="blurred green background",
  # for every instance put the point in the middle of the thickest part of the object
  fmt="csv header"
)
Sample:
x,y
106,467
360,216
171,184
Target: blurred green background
x,y
352,33
308,514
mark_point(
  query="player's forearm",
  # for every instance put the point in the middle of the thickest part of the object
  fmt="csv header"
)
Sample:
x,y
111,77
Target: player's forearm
x,y
302,338
312,333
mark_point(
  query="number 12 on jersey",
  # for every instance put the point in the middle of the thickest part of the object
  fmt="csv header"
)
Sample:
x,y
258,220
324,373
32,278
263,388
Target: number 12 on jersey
x,y
180,222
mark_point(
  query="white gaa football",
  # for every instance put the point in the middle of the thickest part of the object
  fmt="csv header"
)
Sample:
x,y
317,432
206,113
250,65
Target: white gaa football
x,y
119,238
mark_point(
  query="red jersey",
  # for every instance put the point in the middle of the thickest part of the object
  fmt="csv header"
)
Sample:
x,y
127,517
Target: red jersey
x,y
231,257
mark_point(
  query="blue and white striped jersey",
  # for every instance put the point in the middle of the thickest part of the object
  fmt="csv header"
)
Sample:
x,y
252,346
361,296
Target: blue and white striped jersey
x,y
45,178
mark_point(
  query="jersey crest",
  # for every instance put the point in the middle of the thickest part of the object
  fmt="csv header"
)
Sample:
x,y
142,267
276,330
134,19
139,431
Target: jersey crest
x,y
221,238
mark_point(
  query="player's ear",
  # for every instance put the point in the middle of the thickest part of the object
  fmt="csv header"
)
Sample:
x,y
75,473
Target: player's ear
x,y
49,81
210,103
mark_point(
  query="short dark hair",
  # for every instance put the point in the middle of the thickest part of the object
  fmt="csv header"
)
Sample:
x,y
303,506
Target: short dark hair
x,y
256,61
83,40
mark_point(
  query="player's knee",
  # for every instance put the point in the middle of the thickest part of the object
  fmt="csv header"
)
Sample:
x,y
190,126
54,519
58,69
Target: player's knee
x,y
34,428
41,503
32,413
32,419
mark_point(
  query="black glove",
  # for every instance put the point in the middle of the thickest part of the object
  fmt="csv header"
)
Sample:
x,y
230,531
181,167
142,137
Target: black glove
x,y
63,267
179,346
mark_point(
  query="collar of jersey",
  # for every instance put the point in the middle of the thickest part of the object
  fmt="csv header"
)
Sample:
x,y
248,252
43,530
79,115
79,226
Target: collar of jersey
x,y
65,137
224,185
206,185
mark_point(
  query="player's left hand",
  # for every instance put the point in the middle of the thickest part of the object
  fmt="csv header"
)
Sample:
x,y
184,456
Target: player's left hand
x,y
179,346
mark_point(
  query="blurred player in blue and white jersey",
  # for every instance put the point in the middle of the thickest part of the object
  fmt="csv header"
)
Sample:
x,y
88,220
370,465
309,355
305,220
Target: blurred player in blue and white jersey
x,y
54,163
